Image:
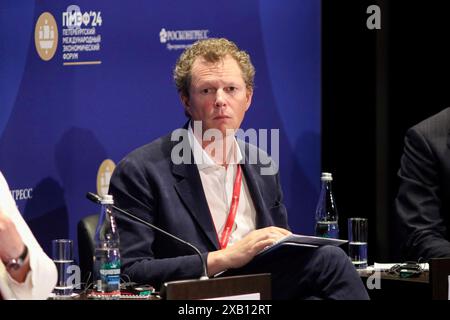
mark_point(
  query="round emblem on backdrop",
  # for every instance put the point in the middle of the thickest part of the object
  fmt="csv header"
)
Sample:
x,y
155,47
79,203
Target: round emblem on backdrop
x,y
46,36
104,176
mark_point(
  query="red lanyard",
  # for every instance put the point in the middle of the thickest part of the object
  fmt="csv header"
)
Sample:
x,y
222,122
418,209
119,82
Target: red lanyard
x,y
225,237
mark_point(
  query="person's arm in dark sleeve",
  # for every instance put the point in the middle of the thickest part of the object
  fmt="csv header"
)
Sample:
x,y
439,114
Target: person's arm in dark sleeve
x,y
129,186
418,203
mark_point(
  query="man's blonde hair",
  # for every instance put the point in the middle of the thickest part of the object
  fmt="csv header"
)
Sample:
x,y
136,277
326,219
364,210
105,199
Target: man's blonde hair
x,y
212,50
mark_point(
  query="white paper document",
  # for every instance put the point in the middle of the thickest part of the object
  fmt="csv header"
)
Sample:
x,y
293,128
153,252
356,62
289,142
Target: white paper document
x,y
387,266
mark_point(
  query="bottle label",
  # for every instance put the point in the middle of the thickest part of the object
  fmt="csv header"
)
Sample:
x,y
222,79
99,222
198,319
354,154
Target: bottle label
x,y
327,229
110,273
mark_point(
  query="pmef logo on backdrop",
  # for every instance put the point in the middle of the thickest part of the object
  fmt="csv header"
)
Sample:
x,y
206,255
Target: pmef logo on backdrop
x,y
104,174
46,36
81,39
80,36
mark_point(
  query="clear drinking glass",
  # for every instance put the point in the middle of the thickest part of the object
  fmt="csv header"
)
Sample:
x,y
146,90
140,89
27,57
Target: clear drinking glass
x,y
62,255
357,237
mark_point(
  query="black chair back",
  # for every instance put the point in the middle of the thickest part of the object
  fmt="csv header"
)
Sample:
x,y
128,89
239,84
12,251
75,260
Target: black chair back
x,y
86,232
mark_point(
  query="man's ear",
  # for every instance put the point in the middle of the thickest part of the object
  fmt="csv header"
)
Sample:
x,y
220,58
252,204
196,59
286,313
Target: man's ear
x,y
186,103
249,95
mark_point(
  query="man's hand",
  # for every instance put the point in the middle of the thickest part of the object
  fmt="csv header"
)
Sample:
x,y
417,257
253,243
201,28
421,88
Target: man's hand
x,y
243,251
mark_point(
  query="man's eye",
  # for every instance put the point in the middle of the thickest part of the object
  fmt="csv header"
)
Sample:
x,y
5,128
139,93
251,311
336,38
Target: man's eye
x,y
206,91
231,89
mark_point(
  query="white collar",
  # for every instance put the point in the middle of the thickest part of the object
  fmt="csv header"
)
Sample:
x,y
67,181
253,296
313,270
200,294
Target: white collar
x,y
202,158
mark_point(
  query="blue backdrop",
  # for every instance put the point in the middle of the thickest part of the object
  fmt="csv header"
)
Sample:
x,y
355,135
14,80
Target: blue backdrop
x,y
108,89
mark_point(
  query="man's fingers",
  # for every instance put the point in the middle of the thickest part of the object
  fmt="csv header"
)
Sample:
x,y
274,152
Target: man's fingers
x,y
277,230
263,244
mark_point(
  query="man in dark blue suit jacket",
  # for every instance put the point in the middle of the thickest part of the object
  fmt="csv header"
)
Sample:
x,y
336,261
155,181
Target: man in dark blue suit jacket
x,y
423,201
215,82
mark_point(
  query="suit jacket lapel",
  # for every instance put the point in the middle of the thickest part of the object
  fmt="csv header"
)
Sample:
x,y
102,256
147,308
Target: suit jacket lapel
x,y
190,190
252,175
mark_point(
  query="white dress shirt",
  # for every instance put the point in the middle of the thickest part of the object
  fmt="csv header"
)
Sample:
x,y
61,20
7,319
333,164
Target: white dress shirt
x,y
218,183
41,279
